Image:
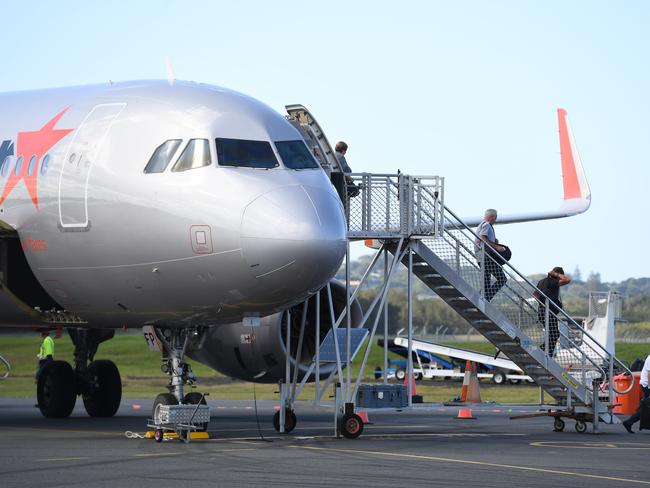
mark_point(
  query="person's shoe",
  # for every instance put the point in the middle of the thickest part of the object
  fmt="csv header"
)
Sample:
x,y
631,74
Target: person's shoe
x,y
628,427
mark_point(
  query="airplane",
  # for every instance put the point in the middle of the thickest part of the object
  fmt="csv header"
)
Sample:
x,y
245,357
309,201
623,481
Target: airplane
x,y
182,206
192,210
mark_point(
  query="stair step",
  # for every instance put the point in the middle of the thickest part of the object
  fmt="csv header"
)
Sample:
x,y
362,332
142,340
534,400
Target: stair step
x,y
430,276
481,322
495,333
459,299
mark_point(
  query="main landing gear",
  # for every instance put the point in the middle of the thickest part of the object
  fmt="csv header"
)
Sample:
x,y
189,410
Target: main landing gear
x,y
175,342
98,382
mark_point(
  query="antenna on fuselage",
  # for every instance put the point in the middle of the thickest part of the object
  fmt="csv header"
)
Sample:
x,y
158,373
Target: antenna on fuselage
x,y
171,78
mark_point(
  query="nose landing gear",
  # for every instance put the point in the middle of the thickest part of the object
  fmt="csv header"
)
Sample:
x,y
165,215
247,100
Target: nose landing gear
x,y
180,373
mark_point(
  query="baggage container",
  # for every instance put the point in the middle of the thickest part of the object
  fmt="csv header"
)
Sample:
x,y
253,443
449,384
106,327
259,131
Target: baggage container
x,y
382,396
628,403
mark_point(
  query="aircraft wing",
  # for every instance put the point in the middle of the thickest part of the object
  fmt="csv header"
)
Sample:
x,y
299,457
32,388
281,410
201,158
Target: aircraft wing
x,y
577,194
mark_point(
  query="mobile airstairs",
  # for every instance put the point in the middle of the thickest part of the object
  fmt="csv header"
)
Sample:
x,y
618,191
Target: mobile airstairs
x,y
404,217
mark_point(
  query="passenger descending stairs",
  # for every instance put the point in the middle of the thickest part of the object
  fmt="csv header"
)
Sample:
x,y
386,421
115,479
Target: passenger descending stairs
x,y
447,264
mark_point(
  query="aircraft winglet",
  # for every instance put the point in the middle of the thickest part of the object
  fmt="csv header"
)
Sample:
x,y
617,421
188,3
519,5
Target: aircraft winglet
x,y
574,180
577,194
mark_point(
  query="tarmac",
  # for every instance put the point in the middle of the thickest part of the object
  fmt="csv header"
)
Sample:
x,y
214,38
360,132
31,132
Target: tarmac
x,y
419,447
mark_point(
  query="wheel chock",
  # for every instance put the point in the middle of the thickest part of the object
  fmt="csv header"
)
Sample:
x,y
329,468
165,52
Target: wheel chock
x,y
194,436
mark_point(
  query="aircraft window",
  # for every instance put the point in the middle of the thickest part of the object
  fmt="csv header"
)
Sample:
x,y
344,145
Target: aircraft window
x,y
162,156
44,162
32,164
195,155
295,155
5,166
19,165
243,153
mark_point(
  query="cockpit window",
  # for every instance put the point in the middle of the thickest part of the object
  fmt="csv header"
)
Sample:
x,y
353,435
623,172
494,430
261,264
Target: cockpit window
x,y
195,155
295,155
162,156
243,153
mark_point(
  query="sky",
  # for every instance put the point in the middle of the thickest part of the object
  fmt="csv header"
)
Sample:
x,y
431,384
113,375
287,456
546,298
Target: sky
x,y
467,90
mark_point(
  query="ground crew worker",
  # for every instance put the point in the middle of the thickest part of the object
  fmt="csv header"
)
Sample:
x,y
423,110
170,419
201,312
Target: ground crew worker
x,y
645,387
46,353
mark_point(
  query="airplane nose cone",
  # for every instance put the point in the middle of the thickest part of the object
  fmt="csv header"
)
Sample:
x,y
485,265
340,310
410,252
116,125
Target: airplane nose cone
x,y
293,240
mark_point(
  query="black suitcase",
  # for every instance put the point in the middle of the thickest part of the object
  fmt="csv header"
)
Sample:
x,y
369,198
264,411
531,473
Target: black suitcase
x,y
645,414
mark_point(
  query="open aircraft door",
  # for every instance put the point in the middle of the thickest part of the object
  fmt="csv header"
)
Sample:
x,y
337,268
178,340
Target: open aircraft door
x,y
84,150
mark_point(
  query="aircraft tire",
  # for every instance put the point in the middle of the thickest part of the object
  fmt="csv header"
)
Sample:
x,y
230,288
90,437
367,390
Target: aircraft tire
x,y
104,397
290,421
193,398
56,390
351,425
162,399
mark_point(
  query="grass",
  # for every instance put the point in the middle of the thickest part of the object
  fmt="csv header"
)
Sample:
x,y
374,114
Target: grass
x,y
141,375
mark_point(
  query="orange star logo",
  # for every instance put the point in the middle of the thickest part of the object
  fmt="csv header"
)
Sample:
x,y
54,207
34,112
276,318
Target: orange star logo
x,y
31,147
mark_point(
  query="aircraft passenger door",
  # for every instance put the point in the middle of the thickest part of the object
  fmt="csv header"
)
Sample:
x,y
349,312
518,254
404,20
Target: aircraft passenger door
x,y
84,150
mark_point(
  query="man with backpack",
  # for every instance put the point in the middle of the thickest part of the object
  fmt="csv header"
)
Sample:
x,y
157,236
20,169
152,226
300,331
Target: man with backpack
x,y
550,287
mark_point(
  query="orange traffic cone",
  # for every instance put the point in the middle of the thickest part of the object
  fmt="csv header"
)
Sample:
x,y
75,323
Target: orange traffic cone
x,y
465,414
406,383
470,391
415,398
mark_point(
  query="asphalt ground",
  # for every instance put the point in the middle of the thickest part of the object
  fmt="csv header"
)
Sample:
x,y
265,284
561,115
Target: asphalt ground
x,y
427,447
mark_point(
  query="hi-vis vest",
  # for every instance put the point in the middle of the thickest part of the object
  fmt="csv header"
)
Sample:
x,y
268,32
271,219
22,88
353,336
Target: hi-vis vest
x,y
47,348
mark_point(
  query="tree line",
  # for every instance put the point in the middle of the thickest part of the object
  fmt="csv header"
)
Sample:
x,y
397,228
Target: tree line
x,y
430,313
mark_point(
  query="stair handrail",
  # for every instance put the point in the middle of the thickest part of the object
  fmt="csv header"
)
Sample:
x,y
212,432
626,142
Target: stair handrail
x,y
575,348
607,355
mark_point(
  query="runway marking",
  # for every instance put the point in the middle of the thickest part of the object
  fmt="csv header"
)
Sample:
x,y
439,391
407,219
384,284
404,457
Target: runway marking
x,y
63,459
438,434
474,463
237,449
590,445
156,454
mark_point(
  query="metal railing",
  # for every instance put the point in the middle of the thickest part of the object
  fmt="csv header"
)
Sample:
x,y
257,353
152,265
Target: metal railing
x,y
7,368
394,205
550,328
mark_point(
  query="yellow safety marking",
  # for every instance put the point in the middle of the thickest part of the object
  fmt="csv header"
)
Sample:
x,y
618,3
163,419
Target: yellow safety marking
x,y
63,459
570,380
590,445
174,435
475,463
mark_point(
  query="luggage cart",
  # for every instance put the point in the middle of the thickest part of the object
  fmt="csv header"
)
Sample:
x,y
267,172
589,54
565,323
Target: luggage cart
x,y
182,419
